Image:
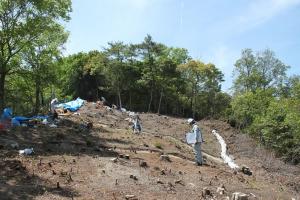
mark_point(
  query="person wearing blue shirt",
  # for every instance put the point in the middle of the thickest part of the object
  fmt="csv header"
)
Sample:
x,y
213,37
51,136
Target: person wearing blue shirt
x,y
198,141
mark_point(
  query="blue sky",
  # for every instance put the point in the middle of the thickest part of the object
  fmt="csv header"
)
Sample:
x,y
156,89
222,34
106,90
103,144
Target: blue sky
x,y
213,31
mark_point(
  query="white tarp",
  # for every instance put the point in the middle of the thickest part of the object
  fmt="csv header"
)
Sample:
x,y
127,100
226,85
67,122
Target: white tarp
x,y
225,157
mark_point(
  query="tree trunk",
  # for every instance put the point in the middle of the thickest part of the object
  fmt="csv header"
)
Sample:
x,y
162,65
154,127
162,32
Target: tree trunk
x,y
42,98
2,84
120,101
161,94
37,97
130,105
151,96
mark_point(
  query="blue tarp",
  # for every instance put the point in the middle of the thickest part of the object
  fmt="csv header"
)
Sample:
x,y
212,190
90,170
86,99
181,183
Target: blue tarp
x,y
72,105
22,119
7,113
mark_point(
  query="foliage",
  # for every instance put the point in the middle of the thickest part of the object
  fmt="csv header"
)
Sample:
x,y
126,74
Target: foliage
x,y
260,71
279,128
21,22
266,104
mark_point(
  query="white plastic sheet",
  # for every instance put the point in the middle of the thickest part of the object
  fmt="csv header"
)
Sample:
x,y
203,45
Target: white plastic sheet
x,y
26,151
224,156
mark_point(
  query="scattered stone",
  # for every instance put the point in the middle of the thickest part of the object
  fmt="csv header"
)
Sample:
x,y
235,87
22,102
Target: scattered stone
x,y
143,164
246,170
63,173
221,190
179,182
206,192
133,177
165,158
192,185
114,160
130,197
253,196
103,171
170,184
146,145
180,172
239,196
159,181
162,172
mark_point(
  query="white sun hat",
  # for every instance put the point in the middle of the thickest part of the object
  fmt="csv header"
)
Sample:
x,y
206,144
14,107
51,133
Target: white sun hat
x,y
190,120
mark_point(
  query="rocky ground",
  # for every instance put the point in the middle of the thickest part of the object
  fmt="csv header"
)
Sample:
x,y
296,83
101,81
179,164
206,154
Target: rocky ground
x,y
110,162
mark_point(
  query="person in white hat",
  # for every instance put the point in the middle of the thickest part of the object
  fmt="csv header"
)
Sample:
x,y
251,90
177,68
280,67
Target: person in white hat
x,y
197,141
53,104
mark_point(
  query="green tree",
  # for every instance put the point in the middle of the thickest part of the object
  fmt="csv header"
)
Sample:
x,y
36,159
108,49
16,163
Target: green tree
x,y
150,51
115,71
82,75
166,78
271,71
245,72
192,72
279,128
249,105
261,71
22,21
39,56
212,78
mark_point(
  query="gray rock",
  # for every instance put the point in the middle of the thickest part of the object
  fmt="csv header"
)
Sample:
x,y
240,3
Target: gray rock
x,y
165,158
239,196
246,170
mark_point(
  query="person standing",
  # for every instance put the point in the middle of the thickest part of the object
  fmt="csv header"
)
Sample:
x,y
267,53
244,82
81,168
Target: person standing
x,y
137,128
53,112
197,140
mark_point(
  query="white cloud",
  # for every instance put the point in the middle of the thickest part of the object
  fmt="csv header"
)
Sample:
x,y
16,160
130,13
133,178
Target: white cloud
x,y
250,16
261,11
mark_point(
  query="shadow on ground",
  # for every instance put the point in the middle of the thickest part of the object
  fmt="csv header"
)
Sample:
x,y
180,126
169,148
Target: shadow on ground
x,y
69,138
17,182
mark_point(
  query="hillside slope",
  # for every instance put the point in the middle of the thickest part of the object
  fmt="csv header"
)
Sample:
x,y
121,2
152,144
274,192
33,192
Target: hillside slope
x,y
72,162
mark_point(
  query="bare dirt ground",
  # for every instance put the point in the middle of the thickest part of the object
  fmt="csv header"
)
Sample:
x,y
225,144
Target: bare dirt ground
x,y
71,162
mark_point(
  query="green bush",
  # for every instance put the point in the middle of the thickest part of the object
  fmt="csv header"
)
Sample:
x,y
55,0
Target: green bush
x,y
279,128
